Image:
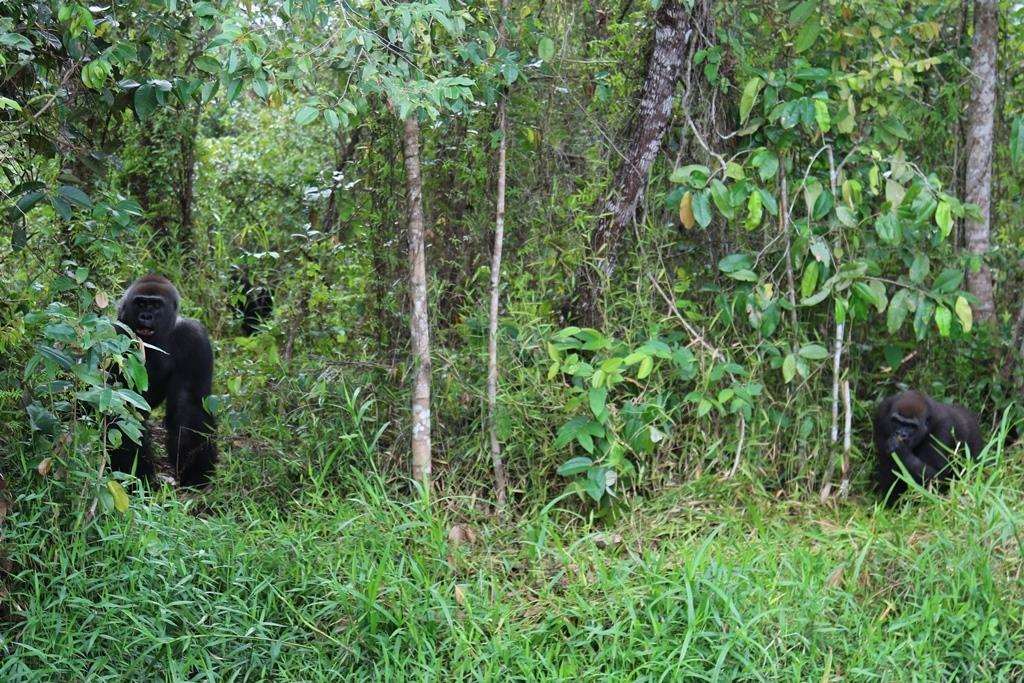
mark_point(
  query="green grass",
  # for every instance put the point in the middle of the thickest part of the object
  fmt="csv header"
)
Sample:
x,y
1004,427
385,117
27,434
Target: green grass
x,y
711,581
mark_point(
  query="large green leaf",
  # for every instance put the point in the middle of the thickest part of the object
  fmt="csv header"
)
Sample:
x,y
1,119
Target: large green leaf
x,y
749,97
807,36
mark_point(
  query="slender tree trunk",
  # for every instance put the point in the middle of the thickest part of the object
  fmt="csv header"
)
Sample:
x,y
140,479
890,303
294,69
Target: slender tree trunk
x,y
646,129
419,325
187,181
500,477
980,132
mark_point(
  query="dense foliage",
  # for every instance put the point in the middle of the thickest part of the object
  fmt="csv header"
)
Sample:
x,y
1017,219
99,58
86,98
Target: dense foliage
x,y
800,250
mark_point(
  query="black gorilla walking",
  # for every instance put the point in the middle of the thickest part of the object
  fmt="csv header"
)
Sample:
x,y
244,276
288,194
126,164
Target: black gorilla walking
x,y
921,432
180,371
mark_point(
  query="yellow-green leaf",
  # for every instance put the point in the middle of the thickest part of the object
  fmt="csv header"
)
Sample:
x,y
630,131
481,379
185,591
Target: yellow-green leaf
x,y
754,210
964,313
944,218
789,368
821,115
943,318
646,365
121,501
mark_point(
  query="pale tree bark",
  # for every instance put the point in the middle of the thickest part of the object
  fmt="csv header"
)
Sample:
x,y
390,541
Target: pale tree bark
x,y
980,132
672,29
419,323
500,477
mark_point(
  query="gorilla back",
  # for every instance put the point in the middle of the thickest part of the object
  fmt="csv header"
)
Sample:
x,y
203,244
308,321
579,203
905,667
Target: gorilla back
x,y
180,371
920,432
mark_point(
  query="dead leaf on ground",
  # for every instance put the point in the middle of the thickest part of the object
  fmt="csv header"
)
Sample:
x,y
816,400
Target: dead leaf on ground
x,y
835,579
44,467
460,596
603,541
460,534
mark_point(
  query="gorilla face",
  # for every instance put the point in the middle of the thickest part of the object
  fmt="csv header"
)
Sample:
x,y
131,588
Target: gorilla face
x,y
150,316
908,431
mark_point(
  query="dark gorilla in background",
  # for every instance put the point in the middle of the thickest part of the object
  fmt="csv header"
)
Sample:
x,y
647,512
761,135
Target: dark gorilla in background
x,y
921,432
257,302
180,371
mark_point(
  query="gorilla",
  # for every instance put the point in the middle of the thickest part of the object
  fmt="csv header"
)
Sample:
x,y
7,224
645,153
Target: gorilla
x,y
180,371
921,432
257,303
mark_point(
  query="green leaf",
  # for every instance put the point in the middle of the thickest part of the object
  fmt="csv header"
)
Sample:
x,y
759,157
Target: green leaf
x,y
813,352
144,101
899,307
546,49
809,282
552,371
646,365
702,208
943,319
964,313
846,216
597,398
767,165
306,114
823,204
873,293
802,11
789,368
720,195
75,196
575,466
821,115
208,63
888,229
694,175
944,218
734,262
754,211
894,193
807,36
1017,140
744,275
749,97
948,281
569,430
919,268
923,316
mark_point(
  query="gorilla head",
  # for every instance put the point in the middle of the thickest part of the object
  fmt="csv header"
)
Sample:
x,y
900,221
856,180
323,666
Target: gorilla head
x,y
150,308
911,421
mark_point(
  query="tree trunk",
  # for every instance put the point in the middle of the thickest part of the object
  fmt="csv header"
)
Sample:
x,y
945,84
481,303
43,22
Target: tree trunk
x,y
500,477
646,129
419,323
980,131
187,181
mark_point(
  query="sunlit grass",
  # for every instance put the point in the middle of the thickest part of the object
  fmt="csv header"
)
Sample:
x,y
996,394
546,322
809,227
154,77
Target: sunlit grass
x,y
711,581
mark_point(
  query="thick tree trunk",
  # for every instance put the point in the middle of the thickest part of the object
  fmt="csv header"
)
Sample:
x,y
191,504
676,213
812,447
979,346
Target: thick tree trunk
x,y
980,132
500,477
419,324
646,129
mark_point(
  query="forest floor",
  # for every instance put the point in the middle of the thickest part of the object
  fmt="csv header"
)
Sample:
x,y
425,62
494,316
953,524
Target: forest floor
x,y
714,580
